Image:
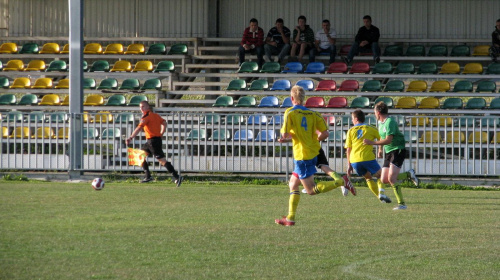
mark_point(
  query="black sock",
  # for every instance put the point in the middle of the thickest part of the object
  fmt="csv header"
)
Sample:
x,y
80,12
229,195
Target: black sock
x,y
171,169
145,166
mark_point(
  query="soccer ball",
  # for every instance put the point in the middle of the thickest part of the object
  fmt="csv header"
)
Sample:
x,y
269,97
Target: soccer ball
x,y
98,184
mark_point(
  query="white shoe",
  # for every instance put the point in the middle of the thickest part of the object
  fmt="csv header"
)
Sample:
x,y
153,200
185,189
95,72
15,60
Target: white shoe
x,y
384,198
400,207
304,191
345,191
413,177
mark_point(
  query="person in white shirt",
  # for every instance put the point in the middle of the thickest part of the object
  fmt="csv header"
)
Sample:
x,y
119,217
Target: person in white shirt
x,y
324,42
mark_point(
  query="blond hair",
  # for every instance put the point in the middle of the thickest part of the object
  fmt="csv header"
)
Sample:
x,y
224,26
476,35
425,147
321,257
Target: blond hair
x,y
298,94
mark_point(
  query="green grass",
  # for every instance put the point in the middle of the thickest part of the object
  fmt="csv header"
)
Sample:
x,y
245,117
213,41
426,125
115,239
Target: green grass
x,y
51,230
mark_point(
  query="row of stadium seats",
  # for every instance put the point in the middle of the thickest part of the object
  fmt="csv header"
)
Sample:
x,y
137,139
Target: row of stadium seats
x,y
24,132
88,83
15,117
54,100
97,66
94,48
364,68
368,86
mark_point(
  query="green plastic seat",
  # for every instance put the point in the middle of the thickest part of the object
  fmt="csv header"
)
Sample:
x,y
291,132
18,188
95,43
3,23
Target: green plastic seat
x,y
57,117
465,122
109,83
405,68
460,50
136,99
13,116
246,101
486,86
495,103
197,134
476,103
360,102
428,68
158,48
1,65
131,84
394,85
178,49
90,133
28,99
100,66
453,103
393,50
154,83
237,84
493,68
372,85
36,117
463,86
260,84
410,136
211,119
165,66
271,67
438,50
85,66
116,100
387,100
415,50
4,82
89,83
234,119
248,67
220,135
223,101
57,65
126,117
382,68
30,48
337,136
8,99
111,133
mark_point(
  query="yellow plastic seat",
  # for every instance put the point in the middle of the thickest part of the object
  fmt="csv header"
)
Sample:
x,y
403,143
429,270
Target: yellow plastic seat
x,y
482,50
64,83
93,48
429,103
478,137
65,101
50,48
5,132
21,132
135,49
417,86
144,65
406,103
419,121
50,100
36,65
430,137
43,83
43,133
8,48
444,121
122,66
496,138
94,100
62,133
21,82
103,117
65,49
473,68
440,86
115,48
450,68
14,65
455,137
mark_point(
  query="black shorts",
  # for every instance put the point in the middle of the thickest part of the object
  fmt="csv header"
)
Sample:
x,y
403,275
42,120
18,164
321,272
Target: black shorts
x,y
322,160
396,157
153,147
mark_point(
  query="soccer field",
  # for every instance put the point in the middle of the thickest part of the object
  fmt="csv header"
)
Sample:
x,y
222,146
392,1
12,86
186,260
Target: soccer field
x,y
51,230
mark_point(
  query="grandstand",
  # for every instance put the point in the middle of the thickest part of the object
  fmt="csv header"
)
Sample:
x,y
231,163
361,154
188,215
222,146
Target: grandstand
x,y
444,90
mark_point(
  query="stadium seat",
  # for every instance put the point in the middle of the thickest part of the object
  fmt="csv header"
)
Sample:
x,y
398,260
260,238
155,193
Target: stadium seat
x,y
387,100
21,82
330,120
473,68
143,66
220,135
337,67
478,137
466,122
158,48
281,85
337,136
92,48
13,116
453,103
89,83
496,138
315,102
450,68
344,50
493,68
154,83
28,99
306,84
427,68
197,134
393,50
111,133
248,67
126,117
211,119
429,103
21,132
52,48
94,100
8,99
394,86
382,68
115,48
234,119
475,103
372,85
4,82
371,119
237,84
360,102
287,102
315,67
257,119
42,83
36,117
276,120
85,66
103,117
50,100
137,99
35,65
8,48
130,84
495,103
135,49
486,86
463,86
405,68
260,84
460,50
271,67
44,133
269,101
178,49
337,102
406,103
246,101
65,49
14,65
326,85
415,50
63,83
344,120
1,65
360,67
430,137
165,66
481,50
349,85
417,86
30,48
243,135
489,121
438,50
293,67
121,66
116,100
223,101
90,133
454,137
267,135
57,65
440,86
410,136
100,66
65,101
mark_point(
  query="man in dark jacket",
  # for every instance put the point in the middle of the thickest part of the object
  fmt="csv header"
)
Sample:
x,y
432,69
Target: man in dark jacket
x,y
252,42
495,47
366,40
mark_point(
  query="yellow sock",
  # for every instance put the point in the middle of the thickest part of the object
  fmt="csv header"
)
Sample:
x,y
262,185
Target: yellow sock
x,y
292,205
372,185
337,178
403,176
399,194
323,187
381,186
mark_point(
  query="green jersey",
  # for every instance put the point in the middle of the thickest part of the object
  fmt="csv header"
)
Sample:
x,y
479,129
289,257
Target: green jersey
x,y
390,127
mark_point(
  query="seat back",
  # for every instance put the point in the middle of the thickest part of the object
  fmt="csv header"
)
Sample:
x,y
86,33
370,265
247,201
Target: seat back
x,y
455,137
360,102
89,83
126,117
115,48
100,66
387,100
493,68
269,101
8,48
481,50
305,84
137,99
7,99
248,67
271,67
428,68
429,103
453,103
344,49
103,117
463,86
337,102
122,66
116,100
349,85
30,48
43,83
28,99
490,121
372,85
393,50
65,49
44,133
315,67
287,102
478,137
111,133
460,50
315,102
90,133
405,68
473,68
135,49
360,67
382,68
337,67
486,86
438,50
158,48
495,103
211,119
476,103
237,84
21,82
50,48
94,100
154,83
143,65
337,136
165,66
223,101
243,135
50,99
14,65
281,85
246,101
466,122
260,84
35,65
415,50
450,68
220,135
267,135
257,119
4,82
57,65
178,49
406,103
197,134
92,48
130,83
13,116
326,85
65,101
63,83
430,137
21,132
234,119
293,67
394,85
417,86
276,120
441,86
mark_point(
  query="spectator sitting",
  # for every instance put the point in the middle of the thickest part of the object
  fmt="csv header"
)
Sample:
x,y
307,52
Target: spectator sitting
x,y
495,45
252,42
366,40
277,41
324,42
303,38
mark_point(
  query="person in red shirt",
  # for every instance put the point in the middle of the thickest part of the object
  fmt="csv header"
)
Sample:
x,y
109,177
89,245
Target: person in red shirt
x,y
252,42
154,127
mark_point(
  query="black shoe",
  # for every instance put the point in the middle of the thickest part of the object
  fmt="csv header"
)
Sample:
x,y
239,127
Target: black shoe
x,y
377,59
146,180
179,180
346,60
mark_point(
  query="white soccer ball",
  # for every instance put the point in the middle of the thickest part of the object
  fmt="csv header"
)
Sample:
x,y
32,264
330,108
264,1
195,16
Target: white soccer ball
x,y
98,184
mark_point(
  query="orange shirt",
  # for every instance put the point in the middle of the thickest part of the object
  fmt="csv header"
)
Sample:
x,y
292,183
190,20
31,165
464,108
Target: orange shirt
x,y
151,122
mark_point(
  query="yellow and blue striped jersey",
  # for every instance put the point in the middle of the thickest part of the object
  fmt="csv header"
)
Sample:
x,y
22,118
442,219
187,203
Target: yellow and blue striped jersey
x,y
355,136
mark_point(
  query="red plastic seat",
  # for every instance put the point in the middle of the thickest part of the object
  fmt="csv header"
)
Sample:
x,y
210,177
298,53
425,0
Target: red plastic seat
x,y
337,67
337,102
330,120
349,85
315,102
344,50
326,85
360,67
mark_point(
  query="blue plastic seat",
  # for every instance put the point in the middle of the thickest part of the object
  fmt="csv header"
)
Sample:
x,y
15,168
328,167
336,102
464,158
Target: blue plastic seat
x,y
287,102
268,135
293,67
315,67
243,135
276,120
257,119
269,101
282,85
306,84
